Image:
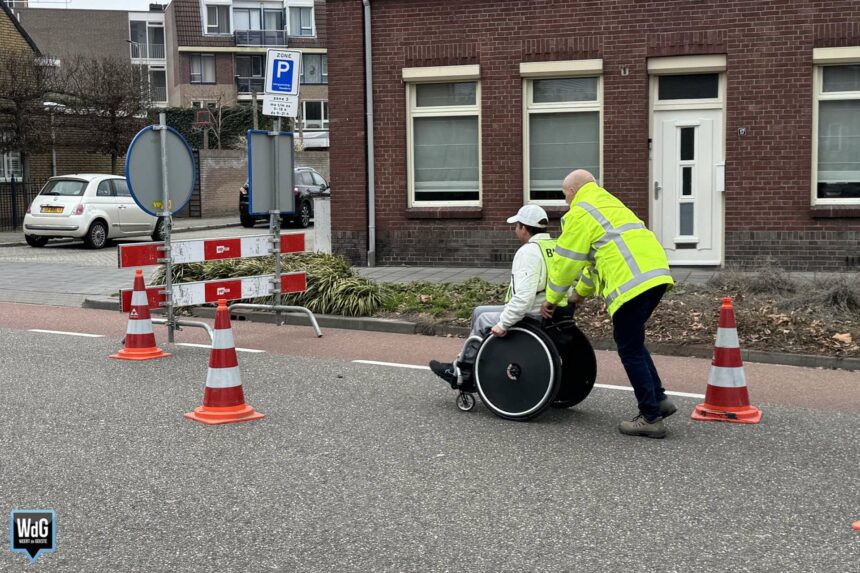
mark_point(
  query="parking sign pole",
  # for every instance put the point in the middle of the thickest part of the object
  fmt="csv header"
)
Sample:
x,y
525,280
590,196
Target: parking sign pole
x,y
165,213
275,221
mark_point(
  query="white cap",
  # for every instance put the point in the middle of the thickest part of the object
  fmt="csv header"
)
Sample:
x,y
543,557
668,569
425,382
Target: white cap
x,y
531,215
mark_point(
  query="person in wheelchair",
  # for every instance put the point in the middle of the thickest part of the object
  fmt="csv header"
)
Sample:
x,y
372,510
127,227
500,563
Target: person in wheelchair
x,y
525,295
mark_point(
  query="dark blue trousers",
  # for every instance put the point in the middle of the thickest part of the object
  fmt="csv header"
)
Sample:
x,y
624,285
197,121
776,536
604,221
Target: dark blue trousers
x,y
629,332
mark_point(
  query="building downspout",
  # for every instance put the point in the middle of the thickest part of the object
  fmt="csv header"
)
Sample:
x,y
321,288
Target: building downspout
x,y
371,189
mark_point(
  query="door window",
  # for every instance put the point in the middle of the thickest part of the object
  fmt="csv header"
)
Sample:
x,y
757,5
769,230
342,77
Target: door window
x,y
121,188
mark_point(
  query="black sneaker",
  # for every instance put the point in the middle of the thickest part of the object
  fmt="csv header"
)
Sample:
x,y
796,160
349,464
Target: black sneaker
x,y
445,371
667,408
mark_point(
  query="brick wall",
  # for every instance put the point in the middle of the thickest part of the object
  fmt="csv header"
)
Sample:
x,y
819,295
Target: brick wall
x,y
768,48
221,174
319,160
10,38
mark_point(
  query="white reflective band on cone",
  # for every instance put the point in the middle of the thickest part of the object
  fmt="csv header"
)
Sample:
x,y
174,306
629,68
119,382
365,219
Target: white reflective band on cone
x,y
223,377
139,327
138,298
727,377
727,338
223,338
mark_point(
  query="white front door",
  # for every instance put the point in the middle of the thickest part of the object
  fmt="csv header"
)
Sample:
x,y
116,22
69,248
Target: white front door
x,y
687,185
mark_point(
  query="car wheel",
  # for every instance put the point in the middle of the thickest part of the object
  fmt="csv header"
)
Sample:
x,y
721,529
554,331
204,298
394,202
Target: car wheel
x,y
160,231
304,215
35,241
247,221
96,237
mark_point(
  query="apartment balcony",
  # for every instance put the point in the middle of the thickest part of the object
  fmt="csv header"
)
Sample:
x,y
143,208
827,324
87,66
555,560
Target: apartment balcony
x,y
277,38
247,86
147,51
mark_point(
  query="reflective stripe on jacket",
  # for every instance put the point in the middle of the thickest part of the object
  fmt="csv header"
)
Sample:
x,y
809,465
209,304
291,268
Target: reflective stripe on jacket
x,y
607,249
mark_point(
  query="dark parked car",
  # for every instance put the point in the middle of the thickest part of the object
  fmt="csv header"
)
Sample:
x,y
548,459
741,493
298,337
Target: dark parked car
x,y
308,184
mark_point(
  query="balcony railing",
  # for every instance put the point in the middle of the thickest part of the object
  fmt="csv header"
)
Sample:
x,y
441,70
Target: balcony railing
x,y
147,51
249,85
260,37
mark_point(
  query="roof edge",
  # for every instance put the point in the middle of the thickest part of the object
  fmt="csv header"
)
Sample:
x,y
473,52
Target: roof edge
x,y
20,28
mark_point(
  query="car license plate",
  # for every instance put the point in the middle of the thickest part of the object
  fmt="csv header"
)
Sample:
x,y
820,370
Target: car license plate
x,y
52,209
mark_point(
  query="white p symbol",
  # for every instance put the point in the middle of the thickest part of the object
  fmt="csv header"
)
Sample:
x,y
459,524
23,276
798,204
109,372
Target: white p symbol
x,y
283,67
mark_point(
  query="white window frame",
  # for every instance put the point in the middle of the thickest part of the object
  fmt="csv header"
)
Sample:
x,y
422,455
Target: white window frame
x,y
532,71
324,122
205,18
301,4
824,57
202,68
6,173
441,75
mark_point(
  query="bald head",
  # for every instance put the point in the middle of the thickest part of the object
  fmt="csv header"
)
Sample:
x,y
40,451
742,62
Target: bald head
x,y
574,182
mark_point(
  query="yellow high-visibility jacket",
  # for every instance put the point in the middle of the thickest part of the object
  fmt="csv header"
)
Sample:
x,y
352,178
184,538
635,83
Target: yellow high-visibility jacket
x,y
605,249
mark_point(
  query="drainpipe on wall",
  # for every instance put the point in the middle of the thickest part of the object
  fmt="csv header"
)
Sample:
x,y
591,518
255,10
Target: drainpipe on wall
x,y
371,190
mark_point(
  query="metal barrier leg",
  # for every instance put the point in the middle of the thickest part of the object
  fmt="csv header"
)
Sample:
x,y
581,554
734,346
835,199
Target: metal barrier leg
x,y
279,308
192,323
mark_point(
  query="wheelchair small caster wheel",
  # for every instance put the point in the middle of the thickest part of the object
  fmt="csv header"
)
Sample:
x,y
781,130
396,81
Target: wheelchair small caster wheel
x,y
465,401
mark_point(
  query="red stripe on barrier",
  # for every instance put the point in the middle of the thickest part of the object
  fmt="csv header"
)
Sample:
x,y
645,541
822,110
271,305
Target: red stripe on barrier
x,y
296,282
292,243
153,297
727,357
220,397
142,255
727,397
230,289
217,249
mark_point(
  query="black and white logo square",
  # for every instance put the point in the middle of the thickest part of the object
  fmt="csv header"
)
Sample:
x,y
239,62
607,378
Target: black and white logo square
x,y
33,531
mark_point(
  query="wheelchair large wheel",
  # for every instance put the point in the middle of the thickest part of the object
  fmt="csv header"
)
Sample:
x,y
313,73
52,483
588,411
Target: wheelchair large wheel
x,y
579,367
518,375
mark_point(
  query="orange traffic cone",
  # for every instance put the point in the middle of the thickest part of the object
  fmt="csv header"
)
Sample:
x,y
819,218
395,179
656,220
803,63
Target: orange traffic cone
x,y
726,399
223,399
139,338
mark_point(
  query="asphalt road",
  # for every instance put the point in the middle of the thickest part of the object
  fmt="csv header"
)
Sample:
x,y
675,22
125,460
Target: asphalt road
x,y
361,467
64,273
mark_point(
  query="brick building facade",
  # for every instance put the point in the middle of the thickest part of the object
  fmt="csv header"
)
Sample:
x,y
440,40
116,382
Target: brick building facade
x,y
727,126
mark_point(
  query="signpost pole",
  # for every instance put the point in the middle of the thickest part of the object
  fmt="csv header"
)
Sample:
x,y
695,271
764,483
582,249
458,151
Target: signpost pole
x,y
275,221
168,258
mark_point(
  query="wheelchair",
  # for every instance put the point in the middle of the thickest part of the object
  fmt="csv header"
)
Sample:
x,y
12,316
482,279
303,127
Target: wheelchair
x,y
538,364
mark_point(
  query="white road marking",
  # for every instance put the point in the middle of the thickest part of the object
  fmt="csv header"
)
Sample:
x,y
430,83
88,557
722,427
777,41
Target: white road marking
x,y
67,333
395,364
253,350
604,386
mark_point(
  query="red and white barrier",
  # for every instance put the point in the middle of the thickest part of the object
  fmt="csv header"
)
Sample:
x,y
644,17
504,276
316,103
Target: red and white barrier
x,y
189,294
202,250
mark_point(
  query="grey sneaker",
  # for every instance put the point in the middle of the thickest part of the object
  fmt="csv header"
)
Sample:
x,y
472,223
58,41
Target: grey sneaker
x,y
639,426
667,408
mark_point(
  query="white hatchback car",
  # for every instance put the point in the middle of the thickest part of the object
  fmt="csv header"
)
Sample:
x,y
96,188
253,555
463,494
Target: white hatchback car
x,y
91,207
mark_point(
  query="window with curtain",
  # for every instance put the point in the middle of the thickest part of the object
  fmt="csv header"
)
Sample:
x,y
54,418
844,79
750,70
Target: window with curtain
x,y
301,21
217,19
563,132
444,144
202,69
314,69
838,141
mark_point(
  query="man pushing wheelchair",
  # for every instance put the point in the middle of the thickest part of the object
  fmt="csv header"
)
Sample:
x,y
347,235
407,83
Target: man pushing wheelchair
x,y
604,249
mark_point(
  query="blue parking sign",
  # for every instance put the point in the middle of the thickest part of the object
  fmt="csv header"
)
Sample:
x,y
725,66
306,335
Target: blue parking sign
x,y
282,72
